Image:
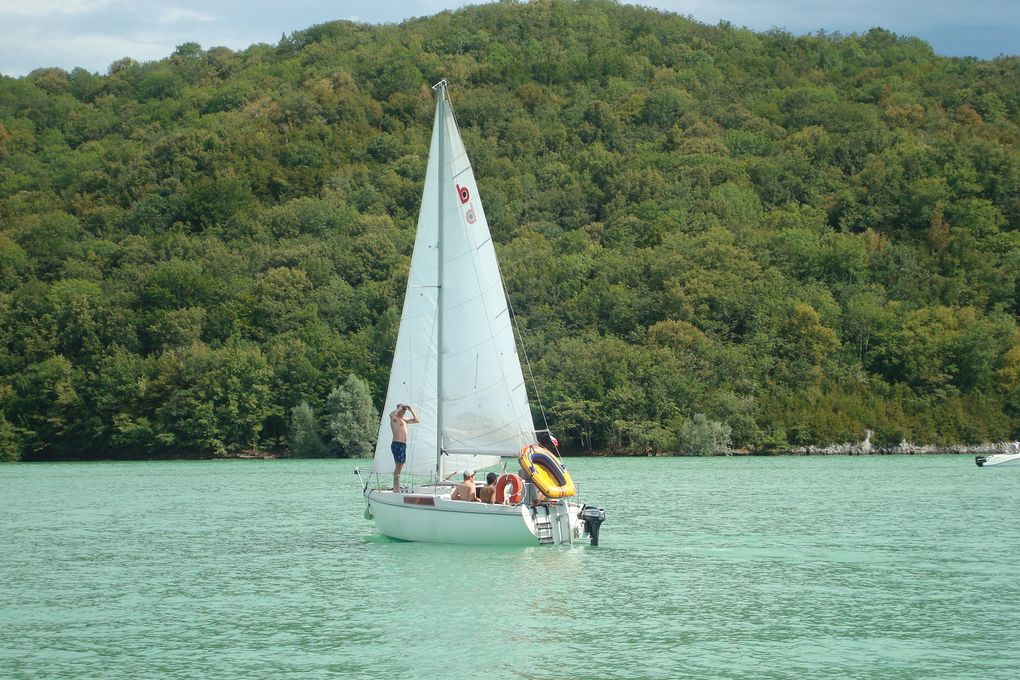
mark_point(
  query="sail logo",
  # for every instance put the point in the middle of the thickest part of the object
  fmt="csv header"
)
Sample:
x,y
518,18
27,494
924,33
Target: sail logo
x,y
465,199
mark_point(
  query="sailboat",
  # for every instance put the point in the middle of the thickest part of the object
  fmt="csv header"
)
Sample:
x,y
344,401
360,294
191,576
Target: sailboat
x,y
456,363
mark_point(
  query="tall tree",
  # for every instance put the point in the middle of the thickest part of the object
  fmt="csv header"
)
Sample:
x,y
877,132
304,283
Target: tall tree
x,y
352,418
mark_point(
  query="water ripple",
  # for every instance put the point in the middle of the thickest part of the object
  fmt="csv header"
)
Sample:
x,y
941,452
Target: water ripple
x,y
890,567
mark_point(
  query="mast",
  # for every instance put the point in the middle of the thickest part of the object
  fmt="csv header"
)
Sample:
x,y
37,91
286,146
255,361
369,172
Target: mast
x,y
468,379
440,87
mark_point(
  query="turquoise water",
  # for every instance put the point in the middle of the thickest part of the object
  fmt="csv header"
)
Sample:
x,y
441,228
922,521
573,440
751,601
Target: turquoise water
x,y
881,567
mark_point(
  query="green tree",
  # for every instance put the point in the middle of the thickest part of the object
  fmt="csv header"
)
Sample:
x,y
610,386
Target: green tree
x,y
10,442
10,438
46,395
796,236
304,438
700,436
351,418
212,401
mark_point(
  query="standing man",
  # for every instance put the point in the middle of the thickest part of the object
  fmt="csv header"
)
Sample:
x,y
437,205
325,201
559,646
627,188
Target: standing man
x,y
398,424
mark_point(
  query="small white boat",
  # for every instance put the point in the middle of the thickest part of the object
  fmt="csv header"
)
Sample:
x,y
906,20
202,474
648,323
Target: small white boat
x,y
456,362
1009,456
427,514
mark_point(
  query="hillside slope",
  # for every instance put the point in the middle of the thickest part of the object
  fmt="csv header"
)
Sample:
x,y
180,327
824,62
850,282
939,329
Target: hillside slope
x,y
703,230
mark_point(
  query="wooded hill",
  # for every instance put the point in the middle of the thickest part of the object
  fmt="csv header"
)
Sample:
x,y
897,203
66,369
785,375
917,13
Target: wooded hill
x,y
704,231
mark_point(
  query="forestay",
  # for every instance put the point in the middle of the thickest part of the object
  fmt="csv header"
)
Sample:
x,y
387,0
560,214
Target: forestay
x,y
484,401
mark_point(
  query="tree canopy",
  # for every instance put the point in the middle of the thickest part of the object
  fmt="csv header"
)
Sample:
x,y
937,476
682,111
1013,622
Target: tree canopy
x,y
702,229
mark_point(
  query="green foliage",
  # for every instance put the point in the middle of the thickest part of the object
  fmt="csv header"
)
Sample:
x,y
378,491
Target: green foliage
x,y
351,418
10,446
700,436
800,238
161,84
214,401
10,439
304,439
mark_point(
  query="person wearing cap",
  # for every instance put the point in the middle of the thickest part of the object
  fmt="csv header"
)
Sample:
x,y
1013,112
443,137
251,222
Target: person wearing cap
x,y
465,491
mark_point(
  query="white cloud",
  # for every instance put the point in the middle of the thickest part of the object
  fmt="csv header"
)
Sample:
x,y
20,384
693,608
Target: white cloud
x,y
172,15
44,8
900,16
41,49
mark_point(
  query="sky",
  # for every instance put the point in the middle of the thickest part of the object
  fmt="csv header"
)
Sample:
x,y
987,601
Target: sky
x,y
93,34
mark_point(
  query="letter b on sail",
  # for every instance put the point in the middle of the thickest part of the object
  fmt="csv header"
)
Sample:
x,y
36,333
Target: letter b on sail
x,y
465,195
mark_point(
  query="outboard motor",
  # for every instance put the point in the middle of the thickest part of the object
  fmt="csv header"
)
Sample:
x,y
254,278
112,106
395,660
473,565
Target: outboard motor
x,y
980,460
593,517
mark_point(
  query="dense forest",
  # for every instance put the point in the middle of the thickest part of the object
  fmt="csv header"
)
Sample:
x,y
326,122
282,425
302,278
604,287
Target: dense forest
x,y
773,240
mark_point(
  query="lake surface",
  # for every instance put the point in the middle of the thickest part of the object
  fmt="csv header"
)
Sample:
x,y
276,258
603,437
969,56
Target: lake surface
x,y
877,567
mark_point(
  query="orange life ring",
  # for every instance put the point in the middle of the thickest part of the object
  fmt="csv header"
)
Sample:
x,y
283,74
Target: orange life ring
x,y
516,489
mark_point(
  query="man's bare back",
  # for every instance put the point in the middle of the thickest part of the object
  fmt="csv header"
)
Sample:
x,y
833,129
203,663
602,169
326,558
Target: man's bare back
x,y
465,491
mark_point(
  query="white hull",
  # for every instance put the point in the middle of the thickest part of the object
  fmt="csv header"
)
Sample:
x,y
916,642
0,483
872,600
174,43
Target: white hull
x,y
1001,459
425,517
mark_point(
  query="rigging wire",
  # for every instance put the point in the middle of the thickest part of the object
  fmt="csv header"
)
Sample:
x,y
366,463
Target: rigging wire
x,y
474,257
524,350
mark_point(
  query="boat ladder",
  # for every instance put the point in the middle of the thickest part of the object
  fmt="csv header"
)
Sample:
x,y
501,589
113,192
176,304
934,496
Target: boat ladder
x,y
543,527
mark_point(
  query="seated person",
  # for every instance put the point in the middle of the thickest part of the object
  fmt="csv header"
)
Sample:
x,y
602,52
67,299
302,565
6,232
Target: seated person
x,y
487,493
465,491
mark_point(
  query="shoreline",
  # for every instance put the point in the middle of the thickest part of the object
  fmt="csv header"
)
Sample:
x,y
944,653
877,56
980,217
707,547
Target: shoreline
x,y
859,449
865,448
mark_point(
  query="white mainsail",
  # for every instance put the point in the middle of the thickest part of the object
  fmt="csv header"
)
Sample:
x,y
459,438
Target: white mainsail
x,y
485,410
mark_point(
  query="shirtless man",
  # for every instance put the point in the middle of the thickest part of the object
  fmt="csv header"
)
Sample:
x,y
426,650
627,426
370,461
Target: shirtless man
x,y
398,424
465,491
487,493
